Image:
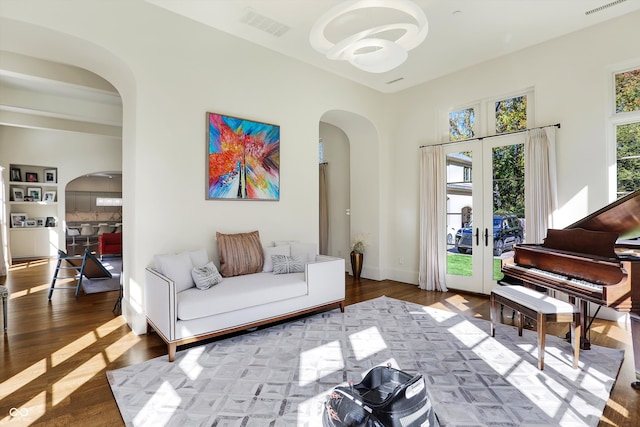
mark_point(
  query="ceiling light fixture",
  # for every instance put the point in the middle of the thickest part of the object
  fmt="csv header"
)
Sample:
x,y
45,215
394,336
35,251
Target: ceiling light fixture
x,y
363,49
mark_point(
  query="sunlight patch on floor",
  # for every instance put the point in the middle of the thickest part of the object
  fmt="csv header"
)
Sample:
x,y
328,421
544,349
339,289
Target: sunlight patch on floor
x,y
366,343
75,379
22,378
320,361
167,398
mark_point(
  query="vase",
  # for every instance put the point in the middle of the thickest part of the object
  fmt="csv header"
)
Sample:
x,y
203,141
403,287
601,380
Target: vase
x,y
356,264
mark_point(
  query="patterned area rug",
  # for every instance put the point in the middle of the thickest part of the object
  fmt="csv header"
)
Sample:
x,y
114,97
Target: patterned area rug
x,y
281,375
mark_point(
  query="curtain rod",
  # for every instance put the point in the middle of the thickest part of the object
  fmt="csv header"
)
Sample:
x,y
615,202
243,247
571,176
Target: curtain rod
x,y
480,138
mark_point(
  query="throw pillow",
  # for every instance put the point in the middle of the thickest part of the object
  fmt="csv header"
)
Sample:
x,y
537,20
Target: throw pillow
x,y
287,264
177,268
206,276
199,257
274,250
306,251
240,253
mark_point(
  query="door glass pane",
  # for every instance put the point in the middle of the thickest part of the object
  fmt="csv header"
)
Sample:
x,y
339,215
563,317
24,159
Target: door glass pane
x,y
508,202
459,213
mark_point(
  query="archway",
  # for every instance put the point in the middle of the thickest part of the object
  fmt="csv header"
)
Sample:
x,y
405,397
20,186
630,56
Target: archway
x,y
363,210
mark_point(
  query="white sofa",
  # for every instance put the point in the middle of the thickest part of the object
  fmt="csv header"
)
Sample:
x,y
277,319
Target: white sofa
x,y
182,314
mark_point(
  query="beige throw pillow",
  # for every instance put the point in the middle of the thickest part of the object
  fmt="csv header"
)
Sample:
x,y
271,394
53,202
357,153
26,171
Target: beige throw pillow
x,y
240,253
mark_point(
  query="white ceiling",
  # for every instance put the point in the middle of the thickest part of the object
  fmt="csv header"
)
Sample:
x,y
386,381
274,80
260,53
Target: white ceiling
x,y
462,33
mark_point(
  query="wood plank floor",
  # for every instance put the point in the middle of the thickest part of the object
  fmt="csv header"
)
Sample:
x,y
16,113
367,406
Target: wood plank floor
x,y
56,353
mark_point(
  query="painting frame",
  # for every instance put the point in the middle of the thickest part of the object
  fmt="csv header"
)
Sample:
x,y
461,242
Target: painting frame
x,y
35,193
31,177
242,160
18,219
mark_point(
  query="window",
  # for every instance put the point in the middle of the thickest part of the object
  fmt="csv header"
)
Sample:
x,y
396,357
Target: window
x,y
462,124
626,121
320,151
511,114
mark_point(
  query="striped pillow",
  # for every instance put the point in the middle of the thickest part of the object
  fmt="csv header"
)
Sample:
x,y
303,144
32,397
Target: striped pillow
x,y
240,253
283,264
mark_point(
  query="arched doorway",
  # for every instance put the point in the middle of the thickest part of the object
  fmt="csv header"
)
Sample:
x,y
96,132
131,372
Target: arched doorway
x,y
354,181
93,207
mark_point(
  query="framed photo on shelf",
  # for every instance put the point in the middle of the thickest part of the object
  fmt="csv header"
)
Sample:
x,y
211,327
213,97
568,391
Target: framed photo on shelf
x,y
39,222
49,196
30,223
51,176
35,193
18,220
16,175
18,194
50,222
31,177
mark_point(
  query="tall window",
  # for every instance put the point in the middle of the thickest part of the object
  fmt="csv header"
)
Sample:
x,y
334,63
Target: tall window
x,y
627,125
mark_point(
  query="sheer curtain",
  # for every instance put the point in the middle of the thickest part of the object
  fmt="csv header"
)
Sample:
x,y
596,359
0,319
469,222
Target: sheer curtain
x,y
4,249
540,182
432,225
324,211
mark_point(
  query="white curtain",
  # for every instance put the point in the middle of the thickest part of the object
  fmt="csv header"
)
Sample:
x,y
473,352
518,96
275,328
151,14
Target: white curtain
x,y
432,224
4,252
540,182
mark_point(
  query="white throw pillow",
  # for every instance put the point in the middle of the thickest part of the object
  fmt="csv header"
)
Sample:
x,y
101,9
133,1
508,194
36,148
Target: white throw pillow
x,y
206,276
274,250
199,257
176,267
306,251
287,264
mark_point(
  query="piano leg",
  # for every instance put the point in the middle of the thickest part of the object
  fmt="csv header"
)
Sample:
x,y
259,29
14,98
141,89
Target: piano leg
x,y
585,344
635,338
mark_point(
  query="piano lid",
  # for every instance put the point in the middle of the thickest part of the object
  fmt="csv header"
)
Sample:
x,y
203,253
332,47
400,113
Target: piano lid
x,y
621,216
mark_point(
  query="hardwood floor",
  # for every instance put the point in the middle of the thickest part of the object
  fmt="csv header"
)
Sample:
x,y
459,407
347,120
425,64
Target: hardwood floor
x,y
56,353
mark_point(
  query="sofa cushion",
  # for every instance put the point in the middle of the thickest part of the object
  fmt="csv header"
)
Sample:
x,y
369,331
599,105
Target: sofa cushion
x,y
287,264
235,293
176,267
206,276
273,250
306,251
240,253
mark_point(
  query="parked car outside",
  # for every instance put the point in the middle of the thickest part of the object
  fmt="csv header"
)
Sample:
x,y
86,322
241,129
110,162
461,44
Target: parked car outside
x,y
507,232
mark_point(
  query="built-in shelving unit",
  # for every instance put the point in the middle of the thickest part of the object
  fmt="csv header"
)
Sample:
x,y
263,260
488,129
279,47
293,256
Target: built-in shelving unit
x,y
33,210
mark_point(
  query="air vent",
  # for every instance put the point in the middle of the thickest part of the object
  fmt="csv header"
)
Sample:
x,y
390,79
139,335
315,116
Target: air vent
x,y
263,23
604,6
394,81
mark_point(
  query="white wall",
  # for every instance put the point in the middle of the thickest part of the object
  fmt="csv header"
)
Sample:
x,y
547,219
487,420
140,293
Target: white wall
x,y
170,80
570,77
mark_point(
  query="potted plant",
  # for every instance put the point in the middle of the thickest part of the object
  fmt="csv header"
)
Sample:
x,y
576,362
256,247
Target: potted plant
x,y
357,254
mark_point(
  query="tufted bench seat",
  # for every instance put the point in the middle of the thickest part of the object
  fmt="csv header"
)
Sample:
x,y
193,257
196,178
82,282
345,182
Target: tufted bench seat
x,y
541,307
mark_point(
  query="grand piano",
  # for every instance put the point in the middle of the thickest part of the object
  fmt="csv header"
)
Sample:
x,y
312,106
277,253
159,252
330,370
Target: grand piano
x,y
594,260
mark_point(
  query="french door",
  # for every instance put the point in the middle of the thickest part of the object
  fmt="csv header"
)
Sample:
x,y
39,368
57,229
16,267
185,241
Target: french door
x,y
484,210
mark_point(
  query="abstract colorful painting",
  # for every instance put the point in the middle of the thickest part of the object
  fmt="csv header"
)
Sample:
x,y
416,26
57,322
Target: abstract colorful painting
x,y
243,159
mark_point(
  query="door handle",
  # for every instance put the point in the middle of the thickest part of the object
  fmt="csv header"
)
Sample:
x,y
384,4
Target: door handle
x,y
486,237
477,236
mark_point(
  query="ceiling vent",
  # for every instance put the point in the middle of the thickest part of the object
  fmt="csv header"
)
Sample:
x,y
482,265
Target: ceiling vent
x,y
604,6
263,23
395,80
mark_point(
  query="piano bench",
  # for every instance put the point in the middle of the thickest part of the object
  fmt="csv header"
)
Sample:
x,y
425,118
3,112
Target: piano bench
x,y
541,307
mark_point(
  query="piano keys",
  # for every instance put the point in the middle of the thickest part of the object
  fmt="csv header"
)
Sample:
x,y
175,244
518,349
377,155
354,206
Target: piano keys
x,y
590,263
